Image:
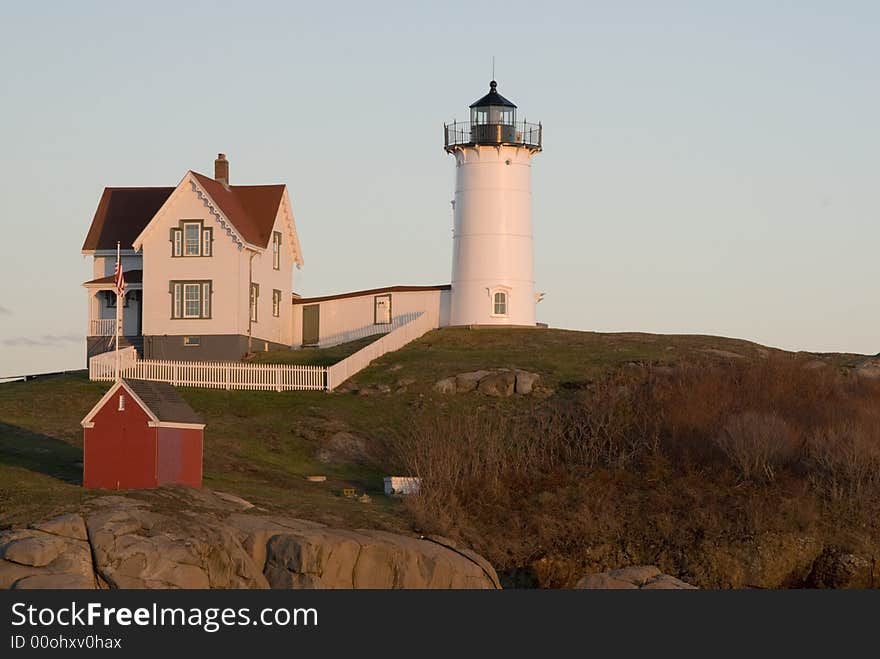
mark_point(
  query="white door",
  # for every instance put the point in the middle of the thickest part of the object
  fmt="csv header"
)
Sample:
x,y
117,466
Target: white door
x,y
383,310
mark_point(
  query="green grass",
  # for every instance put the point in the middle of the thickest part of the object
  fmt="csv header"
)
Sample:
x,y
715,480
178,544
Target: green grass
x,y
560,356
263,445
259,445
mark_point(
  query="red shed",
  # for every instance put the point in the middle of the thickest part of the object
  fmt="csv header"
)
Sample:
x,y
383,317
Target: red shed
x,y
142,434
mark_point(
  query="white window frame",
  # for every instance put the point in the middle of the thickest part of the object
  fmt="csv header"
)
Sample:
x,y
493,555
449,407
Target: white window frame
x,y
201,245
178,242
276,303
196,301
177,307
206,299
276,250
254,301
500,290
179,299
198,239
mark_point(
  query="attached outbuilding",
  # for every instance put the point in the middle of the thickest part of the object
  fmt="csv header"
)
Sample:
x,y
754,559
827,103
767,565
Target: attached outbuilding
x,y
142,434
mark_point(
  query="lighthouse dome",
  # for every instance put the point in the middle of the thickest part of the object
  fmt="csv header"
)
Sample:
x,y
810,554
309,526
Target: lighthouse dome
x,y
493,118
493,98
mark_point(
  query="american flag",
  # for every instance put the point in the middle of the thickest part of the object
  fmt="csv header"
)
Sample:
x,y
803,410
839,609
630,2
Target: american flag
x,y
120,279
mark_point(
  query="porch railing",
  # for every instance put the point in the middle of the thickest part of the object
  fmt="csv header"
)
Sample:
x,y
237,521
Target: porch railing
x,y
102,327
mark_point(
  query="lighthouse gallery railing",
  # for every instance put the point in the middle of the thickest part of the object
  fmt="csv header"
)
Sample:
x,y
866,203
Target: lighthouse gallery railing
x,y
522,133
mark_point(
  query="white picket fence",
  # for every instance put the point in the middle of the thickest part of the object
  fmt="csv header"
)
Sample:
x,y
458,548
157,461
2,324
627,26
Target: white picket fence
x,y
210,375
103,367
265,377
394,340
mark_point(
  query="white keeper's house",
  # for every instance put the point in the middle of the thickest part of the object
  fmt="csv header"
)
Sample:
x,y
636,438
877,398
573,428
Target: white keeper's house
x,y
209,265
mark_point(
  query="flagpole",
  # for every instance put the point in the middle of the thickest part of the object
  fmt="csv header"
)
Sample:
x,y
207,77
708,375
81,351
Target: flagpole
x,y
118,308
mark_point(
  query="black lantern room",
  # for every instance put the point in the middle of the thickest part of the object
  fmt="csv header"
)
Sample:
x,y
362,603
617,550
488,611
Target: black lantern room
x,y
493,122
493,118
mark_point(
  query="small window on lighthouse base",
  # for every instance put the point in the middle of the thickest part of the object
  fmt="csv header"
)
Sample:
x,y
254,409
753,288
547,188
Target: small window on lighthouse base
x,y
499,303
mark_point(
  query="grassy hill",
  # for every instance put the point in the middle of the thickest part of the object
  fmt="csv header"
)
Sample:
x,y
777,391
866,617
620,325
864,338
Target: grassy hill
x,y
532,513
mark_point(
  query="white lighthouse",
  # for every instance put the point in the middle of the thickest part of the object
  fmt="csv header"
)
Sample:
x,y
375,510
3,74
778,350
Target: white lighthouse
x,y
493,281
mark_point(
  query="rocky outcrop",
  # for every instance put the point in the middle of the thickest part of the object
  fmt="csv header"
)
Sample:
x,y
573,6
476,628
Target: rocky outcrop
x,y
839,569
526,381
183,538
53,554
768,560
639,577
336,558
445,386
465,382
66,526
135,547
502,382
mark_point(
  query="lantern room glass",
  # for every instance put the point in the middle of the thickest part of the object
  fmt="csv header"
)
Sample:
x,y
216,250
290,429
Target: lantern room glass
x,y
493,114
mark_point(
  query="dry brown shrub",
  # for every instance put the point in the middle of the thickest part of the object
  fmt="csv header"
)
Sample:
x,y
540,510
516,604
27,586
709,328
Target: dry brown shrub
x,y
648,459
757,444
844,459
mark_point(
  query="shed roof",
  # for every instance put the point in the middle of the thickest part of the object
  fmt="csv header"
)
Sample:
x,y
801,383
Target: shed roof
x,y
164,401
160,401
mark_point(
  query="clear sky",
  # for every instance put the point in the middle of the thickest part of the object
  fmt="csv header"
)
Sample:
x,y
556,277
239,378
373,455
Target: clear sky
x,y
709,167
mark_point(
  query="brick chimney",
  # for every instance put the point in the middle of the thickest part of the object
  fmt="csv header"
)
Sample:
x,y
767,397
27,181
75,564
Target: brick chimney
x,y
221,170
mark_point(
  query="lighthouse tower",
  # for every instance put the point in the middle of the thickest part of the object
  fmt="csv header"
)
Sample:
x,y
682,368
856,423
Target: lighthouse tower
x,y
493,281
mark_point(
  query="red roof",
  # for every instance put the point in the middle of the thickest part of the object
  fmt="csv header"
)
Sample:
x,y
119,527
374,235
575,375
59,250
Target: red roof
x,y
122,214
250,208
131,277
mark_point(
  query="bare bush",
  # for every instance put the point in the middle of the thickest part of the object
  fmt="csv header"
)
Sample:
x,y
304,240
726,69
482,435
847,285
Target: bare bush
x,y
757,444
844,459
615,424
610,426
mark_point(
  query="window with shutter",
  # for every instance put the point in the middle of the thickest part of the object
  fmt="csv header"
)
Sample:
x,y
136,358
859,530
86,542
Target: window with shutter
x,y
190,299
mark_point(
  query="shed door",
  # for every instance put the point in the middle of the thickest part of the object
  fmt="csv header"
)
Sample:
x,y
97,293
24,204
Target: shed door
x,y
311,324
170,456
383,309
